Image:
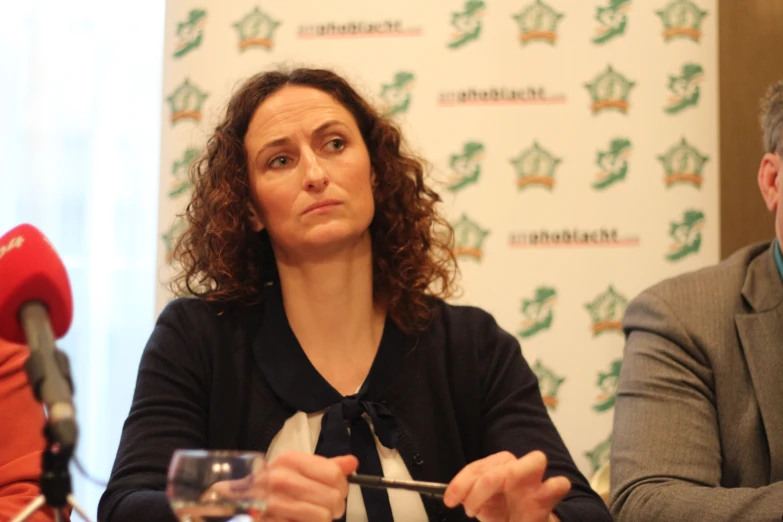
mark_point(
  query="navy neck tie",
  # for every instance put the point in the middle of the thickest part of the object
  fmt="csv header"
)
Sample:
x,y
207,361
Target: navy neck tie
x,y
344,427
344,431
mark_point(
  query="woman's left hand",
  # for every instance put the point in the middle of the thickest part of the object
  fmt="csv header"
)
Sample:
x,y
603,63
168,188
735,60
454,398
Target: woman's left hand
x,y
503,488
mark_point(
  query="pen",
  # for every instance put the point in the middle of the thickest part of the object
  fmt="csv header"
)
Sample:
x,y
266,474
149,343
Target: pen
x,y
430,489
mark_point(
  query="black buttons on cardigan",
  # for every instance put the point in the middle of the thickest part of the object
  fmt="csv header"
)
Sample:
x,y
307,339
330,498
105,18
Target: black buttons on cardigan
x,y
444,517
418,460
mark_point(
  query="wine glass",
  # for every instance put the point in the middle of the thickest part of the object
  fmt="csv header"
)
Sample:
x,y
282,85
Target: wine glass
x,y
217,485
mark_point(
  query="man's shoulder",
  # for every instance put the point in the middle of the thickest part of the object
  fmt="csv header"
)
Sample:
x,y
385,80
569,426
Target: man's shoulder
x,y
716,285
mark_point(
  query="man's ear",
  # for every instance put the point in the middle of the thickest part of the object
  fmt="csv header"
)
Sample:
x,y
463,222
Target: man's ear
x,y
255,222
769,180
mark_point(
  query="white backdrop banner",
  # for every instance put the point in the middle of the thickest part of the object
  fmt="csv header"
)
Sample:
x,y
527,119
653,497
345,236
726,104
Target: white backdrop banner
x,y
575,144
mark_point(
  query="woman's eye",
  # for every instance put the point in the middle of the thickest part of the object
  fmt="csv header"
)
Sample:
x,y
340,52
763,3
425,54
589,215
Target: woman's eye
x,y
279,161
336,144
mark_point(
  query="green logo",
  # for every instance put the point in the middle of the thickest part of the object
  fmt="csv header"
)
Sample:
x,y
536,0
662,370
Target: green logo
x,y
465,166
467,23
685,90
683,163
468,238
548,383
538,312
535,166
613,163
606,312
178,226
613,20
186,102
610,90
538,22
600,454
682,19
397,94
256,29
180,183
685,235
190,33
607,383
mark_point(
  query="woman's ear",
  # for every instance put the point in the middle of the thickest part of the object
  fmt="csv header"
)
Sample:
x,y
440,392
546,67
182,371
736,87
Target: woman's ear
x,y
255,222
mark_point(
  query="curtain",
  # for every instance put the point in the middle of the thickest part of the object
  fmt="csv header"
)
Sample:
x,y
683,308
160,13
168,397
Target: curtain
x,y
80,109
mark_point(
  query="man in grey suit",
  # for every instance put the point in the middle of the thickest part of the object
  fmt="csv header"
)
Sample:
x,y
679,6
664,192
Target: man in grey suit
x,y
698,427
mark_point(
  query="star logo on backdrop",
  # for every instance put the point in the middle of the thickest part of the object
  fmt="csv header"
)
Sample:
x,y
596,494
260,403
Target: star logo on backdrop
x,y
535,166
682,19
683,164
469,239
538,23
186,102
256,29
606,312
610,90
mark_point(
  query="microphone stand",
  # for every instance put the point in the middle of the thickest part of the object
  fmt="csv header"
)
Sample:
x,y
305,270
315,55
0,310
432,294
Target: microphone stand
x,y
55,483
61,430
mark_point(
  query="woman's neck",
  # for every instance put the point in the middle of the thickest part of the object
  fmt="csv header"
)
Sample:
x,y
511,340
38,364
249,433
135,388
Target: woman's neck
x,y
331,309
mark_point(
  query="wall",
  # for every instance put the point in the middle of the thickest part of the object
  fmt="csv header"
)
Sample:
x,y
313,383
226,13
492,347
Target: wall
x,y
575,145
749,62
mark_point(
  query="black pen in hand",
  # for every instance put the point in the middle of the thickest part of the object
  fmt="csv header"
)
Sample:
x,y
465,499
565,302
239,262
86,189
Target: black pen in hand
x,y
430,489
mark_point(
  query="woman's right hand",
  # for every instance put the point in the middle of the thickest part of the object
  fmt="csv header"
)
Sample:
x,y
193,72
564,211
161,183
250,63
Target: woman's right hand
x,y
303,487
297,487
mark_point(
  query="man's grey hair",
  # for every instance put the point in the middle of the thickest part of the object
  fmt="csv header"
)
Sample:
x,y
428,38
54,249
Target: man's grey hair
x,y
772,118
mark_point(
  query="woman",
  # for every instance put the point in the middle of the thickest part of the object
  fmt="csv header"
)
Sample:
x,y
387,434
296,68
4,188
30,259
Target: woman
x,y
318,277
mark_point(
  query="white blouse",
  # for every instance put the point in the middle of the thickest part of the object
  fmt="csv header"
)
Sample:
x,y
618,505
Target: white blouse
x,y
300,433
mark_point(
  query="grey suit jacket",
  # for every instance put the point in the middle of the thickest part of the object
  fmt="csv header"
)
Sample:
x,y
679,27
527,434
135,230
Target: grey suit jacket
x,y
698,426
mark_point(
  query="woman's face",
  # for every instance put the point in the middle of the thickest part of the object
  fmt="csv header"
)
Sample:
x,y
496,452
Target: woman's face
x,y
309,173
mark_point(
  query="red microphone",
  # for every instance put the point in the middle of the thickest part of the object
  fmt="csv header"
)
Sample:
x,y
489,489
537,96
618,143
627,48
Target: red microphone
x,y
36,307
31,270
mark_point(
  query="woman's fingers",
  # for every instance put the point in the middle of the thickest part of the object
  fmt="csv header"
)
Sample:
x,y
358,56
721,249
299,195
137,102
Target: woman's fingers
x,y
552,491
347,464
486,486
311,479
291,485
526,472
518,477
283,508
460,486
501,486
315,467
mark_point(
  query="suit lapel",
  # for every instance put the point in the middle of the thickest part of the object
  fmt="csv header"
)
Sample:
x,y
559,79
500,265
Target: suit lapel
x,y
761,336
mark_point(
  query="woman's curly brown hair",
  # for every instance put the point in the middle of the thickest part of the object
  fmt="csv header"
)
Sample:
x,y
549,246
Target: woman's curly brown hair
x,y
223,260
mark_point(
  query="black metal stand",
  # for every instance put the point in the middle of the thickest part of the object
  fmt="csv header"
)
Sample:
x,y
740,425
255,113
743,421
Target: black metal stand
x,y
61,435
55,485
